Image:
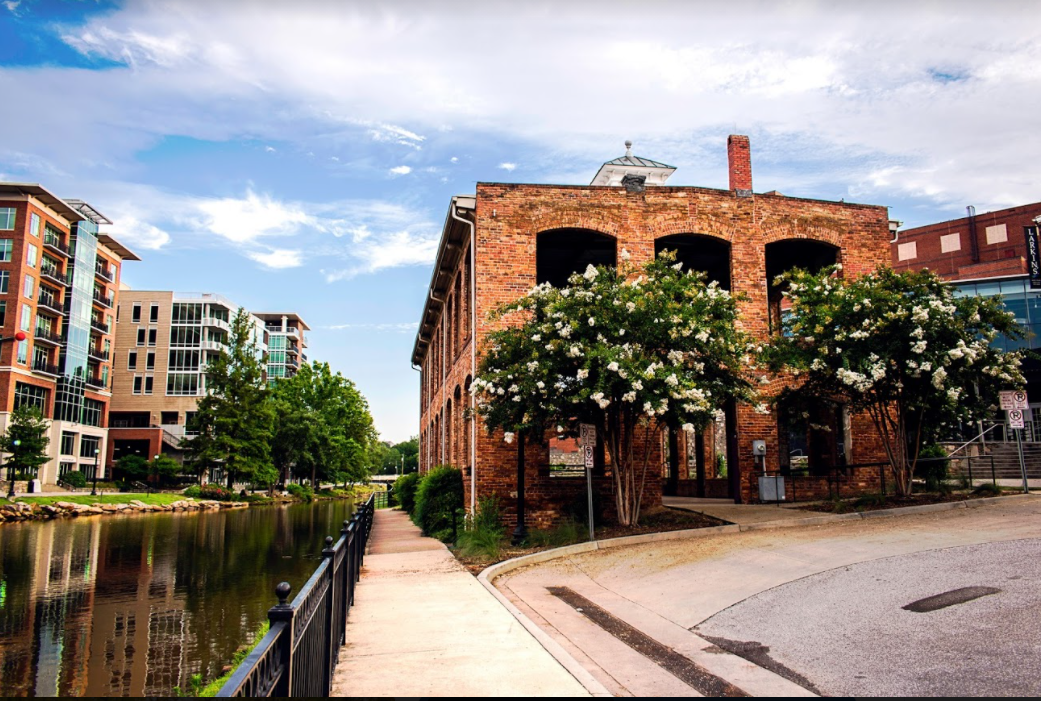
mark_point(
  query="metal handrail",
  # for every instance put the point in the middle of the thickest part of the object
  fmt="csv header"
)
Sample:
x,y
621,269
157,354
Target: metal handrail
x,y
965,445
298,655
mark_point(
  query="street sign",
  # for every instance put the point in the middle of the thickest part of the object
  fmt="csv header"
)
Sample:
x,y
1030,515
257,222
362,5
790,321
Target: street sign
x,y
588,432
1017,399
588,450
1015,418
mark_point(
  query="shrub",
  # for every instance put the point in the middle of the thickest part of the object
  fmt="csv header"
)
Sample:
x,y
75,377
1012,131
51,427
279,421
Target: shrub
x,y
934,471
193,491
484,533
404,492
721,465
564,533
74,478
988,489
438,497
302,492
216,493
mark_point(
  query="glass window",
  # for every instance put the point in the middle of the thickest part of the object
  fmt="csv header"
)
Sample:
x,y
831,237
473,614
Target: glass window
x,y
186,314
184,360
5,250
34,225
140,337
30,286
30,395
137,384
88,445
150,360
132,360
988,289
27,318
149,383
5,277
23,352
92,411
7,218
136,318
68,443
153,313
185,336
152,336
3,313
31,255
182,384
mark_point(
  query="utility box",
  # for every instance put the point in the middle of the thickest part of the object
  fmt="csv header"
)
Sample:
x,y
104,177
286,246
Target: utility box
x,y
771,488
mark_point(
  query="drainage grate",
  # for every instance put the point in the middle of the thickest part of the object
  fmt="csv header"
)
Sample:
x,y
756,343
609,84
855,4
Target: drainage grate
x,y
679,666
949,598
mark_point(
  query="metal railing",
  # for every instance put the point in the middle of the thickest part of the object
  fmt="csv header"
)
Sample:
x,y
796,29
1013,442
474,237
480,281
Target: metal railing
x,y
298,655
53,242
105,274
103,299
45,334
99,326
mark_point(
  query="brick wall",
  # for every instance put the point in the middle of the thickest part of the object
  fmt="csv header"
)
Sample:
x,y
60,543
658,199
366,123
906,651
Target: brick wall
x,y
508,219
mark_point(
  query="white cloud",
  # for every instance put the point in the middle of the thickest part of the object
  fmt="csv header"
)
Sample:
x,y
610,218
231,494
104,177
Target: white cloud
x,y
397,135
245,219
510,167
12,5
269,149
278,258
453,159
137,234
400,170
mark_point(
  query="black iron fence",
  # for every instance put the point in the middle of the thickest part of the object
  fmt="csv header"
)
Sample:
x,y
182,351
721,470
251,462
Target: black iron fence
x,y
298,655
858,479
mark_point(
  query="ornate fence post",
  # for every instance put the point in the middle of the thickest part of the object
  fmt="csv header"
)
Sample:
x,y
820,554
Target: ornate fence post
x,y
283,612
332,648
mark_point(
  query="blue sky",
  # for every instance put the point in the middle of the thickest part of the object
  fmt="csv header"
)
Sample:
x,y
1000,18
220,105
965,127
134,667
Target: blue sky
x,y
301,155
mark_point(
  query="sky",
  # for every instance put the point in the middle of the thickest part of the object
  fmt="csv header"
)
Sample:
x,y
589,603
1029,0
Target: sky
x,y
301,155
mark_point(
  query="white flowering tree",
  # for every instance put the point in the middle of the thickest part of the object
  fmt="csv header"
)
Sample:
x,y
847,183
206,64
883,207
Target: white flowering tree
x,y
899,346
631,351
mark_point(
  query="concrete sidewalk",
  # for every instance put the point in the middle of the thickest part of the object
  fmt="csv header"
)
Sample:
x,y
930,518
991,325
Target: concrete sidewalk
x,y
423,626
740,514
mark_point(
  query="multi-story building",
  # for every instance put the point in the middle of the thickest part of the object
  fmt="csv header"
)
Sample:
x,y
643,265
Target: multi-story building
x,y
286,343
989,254
58,283
503,240
164,341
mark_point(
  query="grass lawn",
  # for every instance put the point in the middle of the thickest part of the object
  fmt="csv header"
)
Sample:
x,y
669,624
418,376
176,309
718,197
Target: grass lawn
x,y
117,498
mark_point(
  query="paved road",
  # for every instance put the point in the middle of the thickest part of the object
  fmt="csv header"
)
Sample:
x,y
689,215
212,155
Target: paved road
x,y
825,600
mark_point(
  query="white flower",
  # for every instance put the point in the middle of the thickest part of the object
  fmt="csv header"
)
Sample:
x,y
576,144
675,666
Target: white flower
x,y
508,437
565,331
702,335
919,347
630,306
761,409
938,377
590,273
688,428
621,332
574,352
601,401
540,384
624,255
536,338
592,321
638,385
678,266
672,380
613,367
647,408
629,397
583,374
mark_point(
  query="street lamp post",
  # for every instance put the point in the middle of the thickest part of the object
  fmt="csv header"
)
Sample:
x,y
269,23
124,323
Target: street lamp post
x,y
152,472
94,489
10,470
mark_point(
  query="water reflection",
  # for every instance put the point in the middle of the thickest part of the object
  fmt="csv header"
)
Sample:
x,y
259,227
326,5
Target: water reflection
x,y
134,605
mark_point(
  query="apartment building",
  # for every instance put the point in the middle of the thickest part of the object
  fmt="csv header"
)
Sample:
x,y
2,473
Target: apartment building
x,y
286,343
59,279
164,341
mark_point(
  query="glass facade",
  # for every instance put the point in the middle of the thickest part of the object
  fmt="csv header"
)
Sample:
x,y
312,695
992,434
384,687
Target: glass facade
x,y
69,402
31,395
1018,298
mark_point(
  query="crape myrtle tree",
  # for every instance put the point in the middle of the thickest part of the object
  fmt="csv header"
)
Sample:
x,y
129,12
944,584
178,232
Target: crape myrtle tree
x,y
234,420
899,346
631,351
323,428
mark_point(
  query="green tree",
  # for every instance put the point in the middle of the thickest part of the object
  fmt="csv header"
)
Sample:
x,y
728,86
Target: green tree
x,y
234,420
628,351
323,428
410,451
132,468
164,469
899,346
28,428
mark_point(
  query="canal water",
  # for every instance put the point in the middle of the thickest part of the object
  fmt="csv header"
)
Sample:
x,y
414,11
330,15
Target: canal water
x,y
134,605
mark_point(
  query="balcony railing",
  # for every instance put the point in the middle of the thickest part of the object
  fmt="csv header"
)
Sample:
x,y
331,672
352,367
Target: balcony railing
x,y
47,335
95,381
98,354
51,272
50,302
105,274
54,243
99,325
41,365
103,300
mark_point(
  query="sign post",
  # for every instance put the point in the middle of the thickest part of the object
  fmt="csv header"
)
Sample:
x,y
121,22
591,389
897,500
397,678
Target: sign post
x,y
589,453
1015,404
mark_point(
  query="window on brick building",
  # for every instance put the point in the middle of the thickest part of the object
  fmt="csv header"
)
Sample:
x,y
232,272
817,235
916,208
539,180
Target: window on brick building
x,y
561,252
782,256
706,254
812,439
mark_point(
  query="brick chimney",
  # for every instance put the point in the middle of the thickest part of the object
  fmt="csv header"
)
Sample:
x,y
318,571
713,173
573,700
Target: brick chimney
x,y
739,157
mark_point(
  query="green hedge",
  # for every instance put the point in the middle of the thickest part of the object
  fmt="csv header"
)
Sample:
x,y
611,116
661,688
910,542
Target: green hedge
x,y
438,497
404,491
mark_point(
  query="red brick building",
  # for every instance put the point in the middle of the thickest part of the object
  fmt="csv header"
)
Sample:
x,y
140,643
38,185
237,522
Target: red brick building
x,y
500,242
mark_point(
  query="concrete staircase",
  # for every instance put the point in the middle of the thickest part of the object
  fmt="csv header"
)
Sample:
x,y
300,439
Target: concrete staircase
x,y
1006,462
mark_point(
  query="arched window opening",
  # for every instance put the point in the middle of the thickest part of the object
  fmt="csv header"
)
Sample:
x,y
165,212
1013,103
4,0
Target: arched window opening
x,y
468,422
705,254
782,256
562,252
813,437
448,432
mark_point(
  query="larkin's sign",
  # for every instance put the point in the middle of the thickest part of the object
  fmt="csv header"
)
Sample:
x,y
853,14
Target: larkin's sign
x,y
1033,257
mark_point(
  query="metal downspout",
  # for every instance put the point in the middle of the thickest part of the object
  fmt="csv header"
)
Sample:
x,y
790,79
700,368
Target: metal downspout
x,y
473,358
